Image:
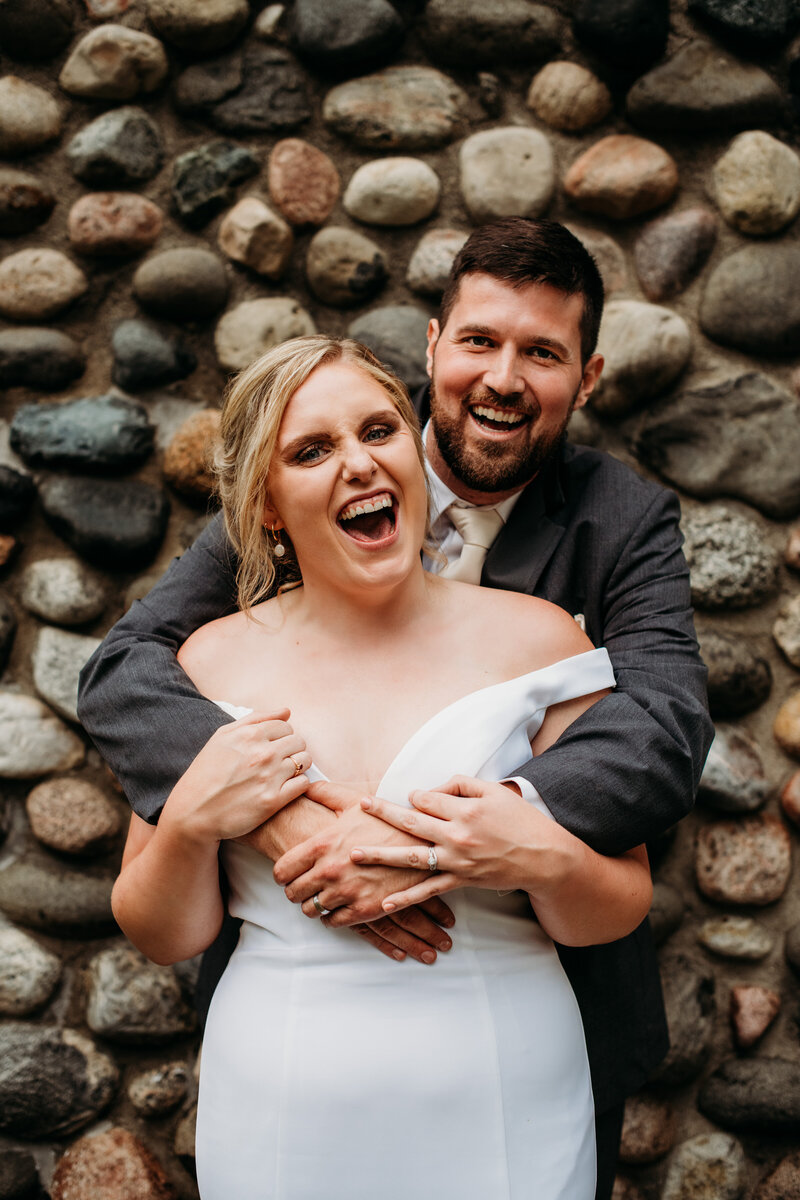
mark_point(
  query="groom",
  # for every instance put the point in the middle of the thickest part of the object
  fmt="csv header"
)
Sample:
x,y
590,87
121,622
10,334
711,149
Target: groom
x,y
511,355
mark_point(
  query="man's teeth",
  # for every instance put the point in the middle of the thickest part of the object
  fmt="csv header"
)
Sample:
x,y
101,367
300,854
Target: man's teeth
x,y
498,414
374,504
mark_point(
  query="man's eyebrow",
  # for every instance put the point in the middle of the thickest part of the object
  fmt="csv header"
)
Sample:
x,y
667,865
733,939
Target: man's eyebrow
x,y
488,331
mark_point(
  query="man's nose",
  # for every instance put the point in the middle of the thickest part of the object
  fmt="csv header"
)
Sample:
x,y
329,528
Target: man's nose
x,y
503,374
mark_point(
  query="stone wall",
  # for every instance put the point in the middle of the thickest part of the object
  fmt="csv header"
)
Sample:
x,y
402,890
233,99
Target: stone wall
x,y
186,184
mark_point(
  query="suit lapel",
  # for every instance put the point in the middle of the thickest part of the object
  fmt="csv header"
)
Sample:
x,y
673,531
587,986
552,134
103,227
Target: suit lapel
x,y
524,545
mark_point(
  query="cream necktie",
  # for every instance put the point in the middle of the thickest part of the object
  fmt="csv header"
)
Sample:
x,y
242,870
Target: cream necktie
x,y
478,527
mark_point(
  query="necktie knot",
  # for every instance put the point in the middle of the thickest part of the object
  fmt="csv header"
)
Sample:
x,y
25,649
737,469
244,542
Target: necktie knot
x,y
478,528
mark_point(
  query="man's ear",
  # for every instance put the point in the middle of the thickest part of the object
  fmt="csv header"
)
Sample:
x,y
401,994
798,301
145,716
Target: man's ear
x,y
591,373
433,337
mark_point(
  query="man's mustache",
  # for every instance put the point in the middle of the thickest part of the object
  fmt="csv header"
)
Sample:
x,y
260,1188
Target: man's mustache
x,y
511,403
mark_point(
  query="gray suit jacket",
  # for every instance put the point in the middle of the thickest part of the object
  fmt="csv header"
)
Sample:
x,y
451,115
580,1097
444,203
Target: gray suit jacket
x,y
589,535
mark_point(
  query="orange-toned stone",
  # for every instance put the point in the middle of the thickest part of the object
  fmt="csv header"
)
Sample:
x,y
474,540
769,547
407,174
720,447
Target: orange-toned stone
x,y
791,555
113,1164
753,1009
303,182
188,457
648,1130
622,176
786,728
790,798
8,548
748,861
114,223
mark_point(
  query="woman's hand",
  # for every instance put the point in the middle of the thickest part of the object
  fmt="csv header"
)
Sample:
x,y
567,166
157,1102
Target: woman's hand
x,y
247,771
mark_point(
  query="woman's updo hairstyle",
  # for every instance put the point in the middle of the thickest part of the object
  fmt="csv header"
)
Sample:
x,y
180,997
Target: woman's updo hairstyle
x,y
255,402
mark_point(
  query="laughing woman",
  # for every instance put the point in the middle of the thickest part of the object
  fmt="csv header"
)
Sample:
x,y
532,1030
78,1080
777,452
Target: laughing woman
x,y
329,1070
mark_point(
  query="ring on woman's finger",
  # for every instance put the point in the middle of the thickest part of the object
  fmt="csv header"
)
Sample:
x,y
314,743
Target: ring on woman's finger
x,y
433,859
319,906
298,767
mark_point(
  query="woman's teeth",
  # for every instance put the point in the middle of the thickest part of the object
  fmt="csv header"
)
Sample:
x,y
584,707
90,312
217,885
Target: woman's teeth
x,y
374,504
499,415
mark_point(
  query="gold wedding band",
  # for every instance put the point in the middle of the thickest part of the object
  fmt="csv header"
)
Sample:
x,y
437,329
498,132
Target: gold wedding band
x,y
298,767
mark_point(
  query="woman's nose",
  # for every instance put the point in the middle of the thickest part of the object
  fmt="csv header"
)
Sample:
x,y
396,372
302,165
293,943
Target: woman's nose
x,y
357,462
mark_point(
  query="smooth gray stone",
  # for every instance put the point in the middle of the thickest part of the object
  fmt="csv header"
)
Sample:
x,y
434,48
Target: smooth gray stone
x,y
40,893
115,524
120,147
349,37
261,90
739,679
17,492
734,779
45,360
133,1000
397,335
689,988
144,357
750,25
185,284
95,433
473,33
760,1094
751,300
28,974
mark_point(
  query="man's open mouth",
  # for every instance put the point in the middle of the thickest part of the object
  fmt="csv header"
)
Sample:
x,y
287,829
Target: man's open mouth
x,y
371,519
500,419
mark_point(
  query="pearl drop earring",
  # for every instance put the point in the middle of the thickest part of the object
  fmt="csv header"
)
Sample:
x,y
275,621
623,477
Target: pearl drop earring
x,y
278,549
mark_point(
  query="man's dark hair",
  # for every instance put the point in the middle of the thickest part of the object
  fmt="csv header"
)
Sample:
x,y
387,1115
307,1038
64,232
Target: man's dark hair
x,y
522,250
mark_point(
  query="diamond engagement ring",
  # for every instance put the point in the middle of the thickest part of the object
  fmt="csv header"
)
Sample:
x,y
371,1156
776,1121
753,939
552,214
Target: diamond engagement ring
x,y
319,906
433,861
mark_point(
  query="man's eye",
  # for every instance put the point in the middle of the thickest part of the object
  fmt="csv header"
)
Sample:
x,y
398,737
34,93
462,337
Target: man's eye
x,y
478,339
541,352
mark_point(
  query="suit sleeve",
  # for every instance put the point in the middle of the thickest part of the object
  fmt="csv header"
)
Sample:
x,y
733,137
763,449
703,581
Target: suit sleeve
x,y
140,709
629,767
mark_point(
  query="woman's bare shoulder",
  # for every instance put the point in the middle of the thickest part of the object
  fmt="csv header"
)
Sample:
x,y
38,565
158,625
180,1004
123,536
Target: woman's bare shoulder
x,y
206,654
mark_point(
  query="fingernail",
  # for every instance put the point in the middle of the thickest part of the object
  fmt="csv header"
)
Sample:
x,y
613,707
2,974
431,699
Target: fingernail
x,y
388,906
448,922
428,956
399,955
366,804
445,944
357,855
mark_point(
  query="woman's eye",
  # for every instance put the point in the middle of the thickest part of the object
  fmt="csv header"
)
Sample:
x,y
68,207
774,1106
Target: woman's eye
x,y
378,433
311,454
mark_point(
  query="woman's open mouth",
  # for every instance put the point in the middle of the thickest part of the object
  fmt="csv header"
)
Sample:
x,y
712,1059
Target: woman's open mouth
x,y
370,519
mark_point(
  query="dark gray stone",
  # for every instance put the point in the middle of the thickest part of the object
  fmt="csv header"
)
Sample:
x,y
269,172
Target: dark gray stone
x,y
16,497
8,627
734,779
397,335
701,88
666,911
95,433
473,33
352,36
34,29
750,25
739,438
691,1008
120,147
739,679
19,1179
752,302
115,524
145,357
25,202
626,33
52,1081
44,360
185,284
204,180
261,90
41,894
670,251
760,1094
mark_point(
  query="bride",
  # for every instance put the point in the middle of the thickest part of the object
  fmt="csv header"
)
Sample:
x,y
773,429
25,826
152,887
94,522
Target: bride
x,y
328,1069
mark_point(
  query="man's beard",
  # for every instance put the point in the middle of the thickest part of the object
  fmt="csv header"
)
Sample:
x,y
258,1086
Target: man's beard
x,y
496,467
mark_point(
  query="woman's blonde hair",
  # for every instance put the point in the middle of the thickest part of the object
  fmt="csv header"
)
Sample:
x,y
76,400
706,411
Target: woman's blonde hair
x,y
251,416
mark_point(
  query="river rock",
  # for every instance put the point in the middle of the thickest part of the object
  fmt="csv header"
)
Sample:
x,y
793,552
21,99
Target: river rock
x,y
185,284
781,1184
670,251
144,357
734,779
622,176
161,1090
699,88
52,1081
111,1163
738,938
472,33
60,901
28,973
303,182
666,911
113,223
433,257
708,1167
185,1136
17,492
25,201
256,326
29,117
786,728
790,799
344,268
627,33
35,29
58,659
133,1000
33,741
753,1093
204,180
744,862
739,679
349,38
567,96
19,1178
608,256
396,333
402,108
37,284
8,628
198,28
786,629
791,948
753,1009
252,234
756,183
731,564
111,523
689,988
646,348
118,148
506,173
392,191
759,24
113,62
188,459
72,816
648,1131
261,90
62,590
791,555
94,433
738,438
44,360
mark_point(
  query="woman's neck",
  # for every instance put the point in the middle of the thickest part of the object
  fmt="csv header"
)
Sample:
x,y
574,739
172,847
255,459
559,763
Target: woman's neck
x,y
361,615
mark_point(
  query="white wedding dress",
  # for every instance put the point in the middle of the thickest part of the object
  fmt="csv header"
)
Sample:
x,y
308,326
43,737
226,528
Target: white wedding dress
x,y
330,1072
